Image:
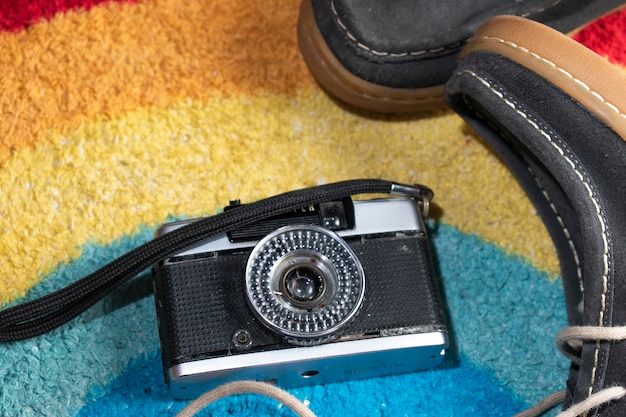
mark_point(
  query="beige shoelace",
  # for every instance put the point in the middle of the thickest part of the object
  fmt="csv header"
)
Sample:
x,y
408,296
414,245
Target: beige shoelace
x,y
569,341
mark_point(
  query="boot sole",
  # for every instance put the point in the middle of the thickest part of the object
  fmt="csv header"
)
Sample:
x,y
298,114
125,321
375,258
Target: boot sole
x,y
341,83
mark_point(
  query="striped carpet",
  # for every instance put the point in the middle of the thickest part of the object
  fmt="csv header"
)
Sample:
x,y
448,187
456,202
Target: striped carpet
x,y
116,116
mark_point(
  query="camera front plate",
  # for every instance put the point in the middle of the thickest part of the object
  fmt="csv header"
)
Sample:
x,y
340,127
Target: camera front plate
x,y
321,364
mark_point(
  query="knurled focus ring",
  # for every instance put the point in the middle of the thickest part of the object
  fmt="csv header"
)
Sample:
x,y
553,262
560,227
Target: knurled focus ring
x,y
325,263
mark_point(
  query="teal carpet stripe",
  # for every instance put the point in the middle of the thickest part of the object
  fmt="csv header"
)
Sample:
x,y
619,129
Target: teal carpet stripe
x,y
463,390
51,375
503,316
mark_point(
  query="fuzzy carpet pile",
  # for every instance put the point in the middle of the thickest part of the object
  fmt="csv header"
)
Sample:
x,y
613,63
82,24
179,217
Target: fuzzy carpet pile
x,y
117,116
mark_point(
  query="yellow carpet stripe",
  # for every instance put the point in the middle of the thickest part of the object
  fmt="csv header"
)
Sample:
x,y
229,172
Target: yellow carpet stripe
x,y
101,181
101,63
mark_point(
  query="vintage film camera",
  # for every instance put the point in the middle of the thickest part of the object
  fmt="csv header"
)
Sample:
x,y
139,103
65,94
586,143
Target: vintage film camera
x,y
337,291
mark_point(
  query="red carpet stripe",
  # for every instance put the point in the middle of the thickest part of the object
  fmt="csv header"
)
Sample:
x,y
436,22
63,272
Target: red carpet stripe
x,y
607,37
16,15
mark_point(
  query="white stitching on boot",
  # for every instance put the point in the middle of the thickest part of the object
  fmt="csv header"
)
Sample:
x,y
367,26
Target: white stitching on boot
x,y
566,232
563,71
591,195
455,45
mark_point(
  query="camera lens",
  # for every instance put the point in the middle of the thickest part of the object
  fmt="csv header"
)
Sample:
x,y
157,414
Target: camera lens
x,y
305,283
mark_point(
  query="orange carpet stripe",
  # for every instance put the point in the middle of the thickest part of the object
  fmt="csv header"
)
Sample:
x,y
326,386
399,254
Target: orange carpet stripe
x,y
86,65
98,64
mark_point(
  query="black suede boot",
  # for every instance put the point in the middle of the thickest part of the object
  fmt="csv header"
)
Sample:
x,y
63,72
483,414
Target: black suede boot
x,y
556,113
395,56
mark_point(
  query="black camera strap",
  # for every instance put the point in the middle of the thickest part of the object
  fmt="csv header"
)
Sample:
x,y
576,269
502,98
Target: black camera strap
x,y
39,316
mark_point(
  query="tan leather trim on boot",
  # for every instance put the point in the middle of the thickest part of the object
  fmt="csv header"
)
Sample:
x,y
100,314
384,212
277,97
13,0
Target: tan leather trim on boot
x,y
587,77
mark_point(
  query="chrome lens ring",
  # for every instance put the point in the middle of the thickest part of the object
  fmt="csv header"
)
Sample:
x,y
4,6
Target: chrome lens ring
x,y
304,282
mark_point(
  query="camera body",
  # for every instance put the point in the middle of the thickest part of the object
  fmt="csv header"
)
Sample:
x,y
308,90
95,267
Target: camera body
x,y
337,291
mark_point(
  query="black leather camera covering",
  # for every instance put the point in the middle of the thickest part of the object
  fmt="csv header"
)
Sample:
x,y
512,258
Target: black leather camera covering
x,y
201,301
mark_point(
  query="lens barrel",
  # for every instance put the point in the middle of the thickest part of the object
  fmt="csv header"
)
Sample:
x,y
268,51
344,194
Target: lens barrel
x,y
305,283
304,286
